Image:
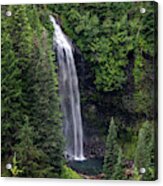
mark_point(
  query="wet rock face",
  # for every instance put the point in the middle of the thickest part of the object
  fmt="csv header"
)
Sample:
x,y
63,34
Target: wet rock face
x,y
94,147
83,71
93,144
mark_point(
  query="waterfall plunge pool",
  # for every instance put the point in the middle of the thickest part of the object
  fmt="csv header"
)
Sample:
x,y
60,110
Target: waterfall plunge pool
x,y
89,167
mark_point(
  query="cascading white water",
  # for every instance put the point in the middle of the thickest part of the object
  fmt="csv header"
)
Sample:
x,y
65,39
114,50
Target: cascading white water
x,y
69,92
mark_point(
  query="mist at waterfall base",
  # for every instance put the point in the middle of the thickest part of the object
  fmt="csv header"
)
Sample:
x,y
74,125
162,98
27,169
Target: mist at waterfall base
x,y
70,97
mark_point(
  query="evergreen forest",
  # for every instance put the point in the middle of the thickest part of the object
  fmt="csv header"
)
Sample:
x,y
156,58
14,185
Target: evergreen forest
x,y
115,53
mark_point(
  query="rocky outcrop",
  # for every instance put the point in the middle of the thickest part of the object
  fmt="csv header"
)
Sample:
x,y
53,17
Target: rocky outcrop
x,y
94,147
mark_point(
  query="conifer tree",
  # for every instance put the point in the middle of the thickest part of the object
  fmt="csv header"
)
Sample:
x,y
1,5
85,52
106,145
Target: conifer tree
x,y
119,173
111,152
45,110
27,153
11,88
31,113
145,150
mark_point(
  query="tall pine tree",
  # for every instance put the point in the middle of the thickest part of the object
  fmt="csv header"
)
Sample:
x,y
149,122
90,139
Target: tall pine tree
x,y
111,152
145,150
45,111
11,93
31,117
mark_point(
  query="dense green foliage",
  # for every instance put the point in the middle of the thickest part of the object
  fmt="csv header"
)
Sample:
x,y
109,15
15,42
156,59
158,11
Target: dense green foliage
x,y
69,173
118,46
116,59
119,172
31,117
114,165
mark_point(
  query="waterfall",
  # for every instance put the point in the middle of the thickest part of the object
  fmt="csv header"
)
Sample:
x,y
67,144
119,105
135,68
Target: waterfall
x,y
69,92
